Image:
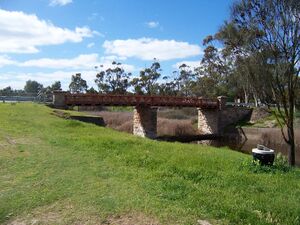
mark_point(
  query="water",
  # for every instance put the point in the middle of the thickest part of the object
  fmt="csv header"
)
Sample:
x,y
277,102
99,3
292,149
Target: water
x,y
245,139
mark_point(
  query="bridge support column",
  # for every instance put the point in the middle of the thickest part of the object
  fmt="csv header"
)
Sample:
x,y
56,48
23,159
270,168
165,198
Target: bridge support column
x,y
209,119
59,99
145,121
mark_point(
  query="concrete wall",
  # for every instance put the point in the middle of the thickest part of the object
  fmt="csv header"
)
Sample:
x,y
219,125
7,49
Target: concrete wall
x,y
145,121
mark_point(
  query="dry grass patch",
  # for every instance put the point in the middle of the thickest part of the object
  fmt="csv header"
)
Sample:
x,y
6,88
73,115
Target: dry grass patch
x,y
61,212
131,219
122,121
175,127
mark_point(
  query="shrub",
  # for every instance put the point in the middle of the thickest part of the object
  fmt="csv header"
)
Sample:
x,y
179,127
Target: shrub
x,y
179,114
280,165
172,127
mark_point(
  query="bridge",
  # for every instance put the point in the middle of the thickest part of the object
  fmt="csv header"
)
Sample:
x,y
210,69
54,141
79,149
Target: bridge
x,y
145,109
138,100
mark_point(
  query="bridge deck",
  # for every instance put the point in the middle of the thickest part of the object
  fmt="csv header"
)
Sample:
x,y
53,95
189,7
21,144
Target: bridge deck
x,y
139,100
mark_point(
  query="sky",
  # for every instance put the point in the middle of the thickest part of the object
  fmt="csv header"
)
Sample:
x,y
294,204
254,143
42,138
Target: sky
x,y
49,40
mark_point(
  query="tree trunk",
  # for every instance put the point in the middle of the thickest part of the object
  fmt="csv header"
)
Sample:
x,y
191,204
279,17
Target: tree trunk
x,y
290,129
246,96
255,100
291,143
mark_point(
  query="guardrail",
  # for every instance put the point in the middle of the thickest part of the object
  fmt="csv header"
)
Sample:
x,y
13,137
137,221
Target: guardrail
x,y
17,98
249,105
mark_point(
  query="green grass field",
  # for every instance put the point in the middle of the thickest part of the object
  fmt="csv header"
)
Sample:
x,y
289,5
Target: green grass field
x,y
57,171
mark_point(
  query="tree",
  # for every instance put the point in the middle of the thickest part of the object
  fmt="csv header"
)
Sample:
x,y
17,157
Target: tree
x,y
269,30
77,85
147,83
113,80
212,73
169,88
8,91
56,86
91,90
45,93
185,80
32,87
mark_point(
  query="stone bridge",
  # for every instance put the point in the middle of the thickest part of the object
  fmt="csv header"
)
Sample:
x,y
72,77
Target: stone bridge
x,y
213,115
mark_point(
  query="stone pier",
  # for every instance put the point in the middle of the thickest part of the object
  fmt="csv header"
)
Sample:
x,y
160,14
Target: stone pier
x,y
59,99
209,119
145,121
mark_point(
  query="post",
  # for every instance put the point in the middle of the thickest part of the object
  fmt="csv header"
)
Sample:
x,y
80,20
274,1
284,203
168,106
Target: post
x,y
145,121
59,99
222,102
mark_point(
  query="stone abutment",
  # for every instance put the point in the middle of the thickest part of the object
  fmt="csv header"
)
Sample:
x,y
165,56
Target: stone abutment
x,y
145,121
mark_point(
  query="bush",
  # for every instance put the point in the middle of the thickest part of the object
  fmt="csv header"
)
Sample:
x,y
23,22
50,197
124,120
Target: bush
x,y
280,165
172,127
179,114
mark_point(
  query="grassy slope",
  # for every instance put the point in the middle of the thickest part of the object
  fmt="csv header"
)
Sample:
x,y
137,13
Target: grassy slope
x,y
84,171
271,120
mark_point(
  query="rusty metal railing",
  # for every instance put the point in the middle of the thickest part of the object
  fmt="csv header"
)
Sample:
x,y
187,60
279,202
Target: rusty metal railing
x,y
139,100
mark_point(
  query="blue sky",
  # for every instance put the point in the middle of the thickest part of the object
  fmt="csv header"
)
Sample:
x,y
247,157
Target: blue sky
x,y
48,40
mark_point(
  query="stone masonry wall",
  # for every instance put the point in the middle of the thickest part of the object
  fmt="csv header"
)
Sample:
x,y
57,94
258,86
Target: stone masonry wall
x,y
233,115
208,121
214,121
145,122
59,99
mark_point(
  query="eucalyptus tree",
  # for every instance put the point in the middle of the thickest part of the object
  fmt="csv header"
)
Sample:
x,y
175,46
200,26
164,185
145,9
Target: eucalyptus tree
x,y
77,85
269,32
32,87
56,86
213,72
113,80
147,82
185,80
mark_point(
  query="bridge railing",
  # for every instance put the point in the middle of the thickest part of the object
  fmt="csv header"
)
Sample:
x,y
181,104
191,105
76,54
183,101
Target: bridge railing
x,y
139,100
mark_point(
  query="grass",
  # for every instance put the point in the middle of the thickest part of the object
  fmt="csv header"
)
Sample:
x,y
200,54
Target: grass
x,y
66,172
267,121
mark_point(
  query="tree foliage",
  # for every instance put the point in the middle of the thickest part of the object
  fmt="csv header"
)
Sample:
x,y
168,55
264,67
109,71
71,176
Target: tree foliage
x,y
147,82
265,35
185,80
77,85
56,86
32,87
113,80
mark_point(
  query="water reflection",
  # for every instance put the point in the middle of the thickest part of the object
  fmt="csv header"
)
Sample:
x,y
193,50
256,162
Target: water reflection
x,y
244,139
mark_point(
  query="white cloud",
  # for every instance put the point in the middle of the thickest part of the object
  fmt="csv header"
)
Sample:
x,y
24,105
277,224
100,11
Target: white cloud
x,y
5,61
17,79
148,48
152,24
192,64
81,62
24,33
90,45
59,2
